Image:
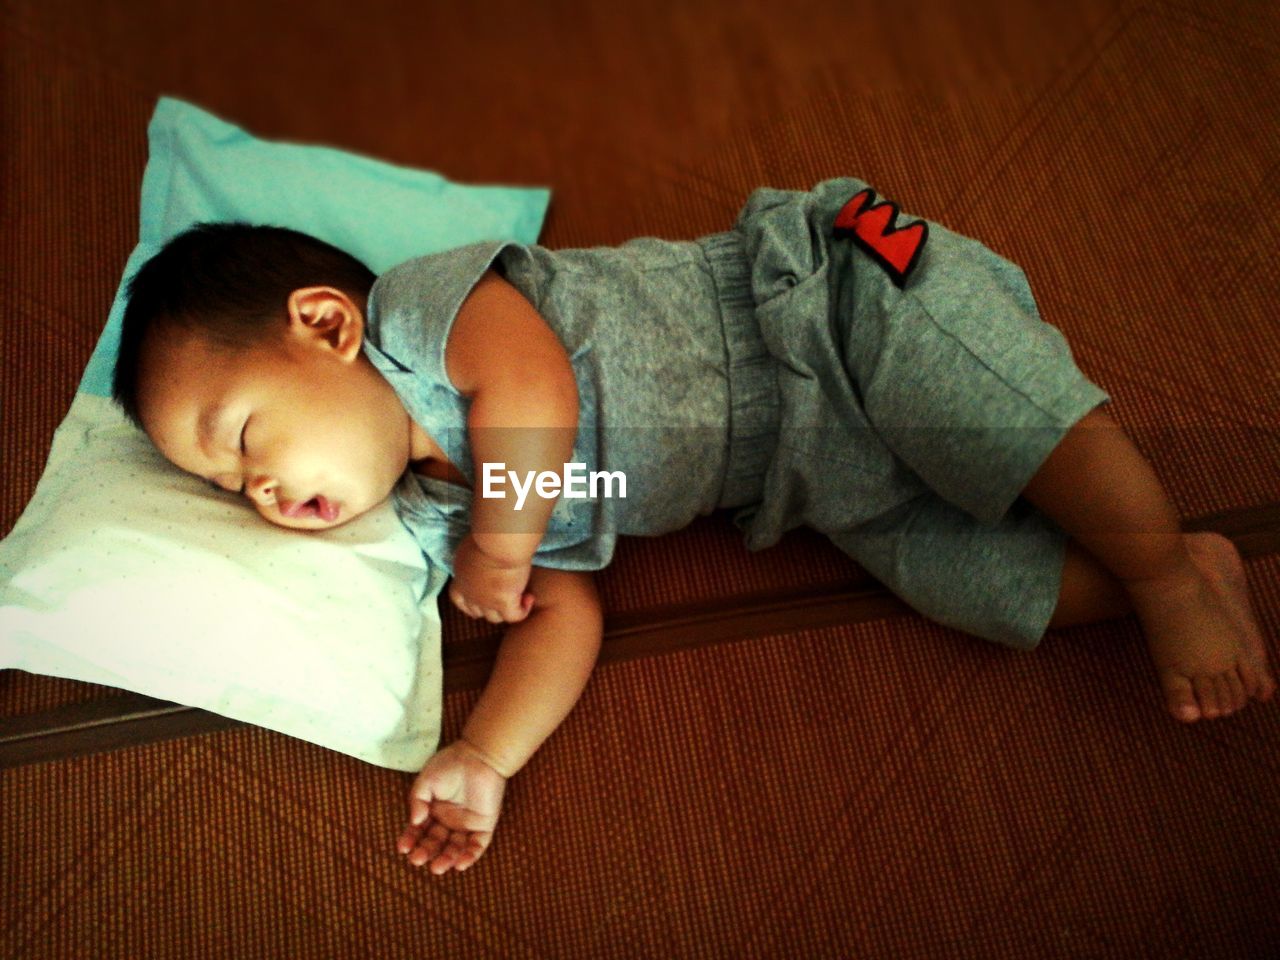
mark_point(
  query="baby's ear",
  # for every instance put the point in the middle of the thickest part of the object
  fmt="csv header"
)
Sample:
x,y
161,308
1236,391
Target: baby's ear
x,y
328,317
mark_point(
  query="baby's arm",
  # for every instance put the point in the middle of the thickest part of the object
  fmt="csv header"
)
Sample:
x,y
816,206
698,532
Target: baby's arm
x,y
504,358
541,669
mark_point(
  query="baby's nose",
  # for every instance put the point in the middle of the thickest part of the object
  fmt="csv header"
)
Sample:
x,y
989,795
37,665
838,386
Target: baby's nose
x,y
261,490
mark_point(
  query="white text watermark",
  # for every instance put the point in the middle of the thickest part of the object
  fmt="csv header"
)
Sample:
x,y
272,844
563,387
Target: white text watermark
x,y
573,483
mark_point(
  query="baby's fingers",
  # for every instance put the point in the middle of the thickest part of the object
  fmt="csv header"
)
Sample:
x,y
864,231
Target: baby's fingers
x,y
428,846
443,848
448,858
460,852
461,602
409,839
518,612
477,612
419,810
437,845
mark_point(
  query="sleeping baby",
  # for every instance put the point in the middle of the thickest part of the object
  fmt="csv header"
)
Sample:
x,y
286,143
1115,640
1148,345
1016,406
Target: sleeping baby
x,y
826,362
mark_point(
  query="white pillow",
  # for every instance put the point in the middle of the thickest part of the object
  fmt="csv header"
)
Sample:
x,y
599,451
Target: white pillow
x,y
125,571
148,579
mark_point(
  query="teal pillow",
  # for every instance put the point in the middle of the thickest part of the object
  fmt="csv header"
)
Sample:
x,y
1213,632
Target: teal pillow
x,y
203,168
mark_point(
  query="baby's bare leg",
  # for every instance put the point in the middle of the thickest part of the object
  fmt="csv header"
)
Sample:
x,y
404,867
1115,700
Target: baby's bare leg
x,y
1089,592
1187,590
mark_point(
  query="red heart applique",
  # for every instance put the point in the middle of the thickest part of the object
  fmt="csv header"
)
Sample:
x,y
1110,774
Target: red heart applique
x,y
871,226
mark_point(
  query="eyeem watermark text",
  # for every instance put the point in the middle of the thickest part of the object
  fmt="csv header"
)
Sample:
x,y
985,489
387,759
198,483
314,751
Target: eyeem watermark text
x,y
573,482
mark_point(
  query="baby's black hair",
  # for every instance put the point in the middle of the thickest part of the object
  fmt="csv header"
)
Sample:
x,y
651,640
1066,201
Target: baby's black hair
x,y
231,282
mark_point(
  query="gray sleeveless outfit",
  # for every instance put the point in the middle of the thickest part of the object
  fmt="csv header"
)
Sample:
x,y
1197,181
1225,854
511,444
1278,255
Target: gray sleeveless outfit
x,y
796,368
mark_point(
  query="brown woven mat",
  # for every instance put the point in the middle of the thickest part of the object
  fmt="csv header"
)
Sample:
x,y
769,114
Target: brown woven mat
x,y
887,790
890,788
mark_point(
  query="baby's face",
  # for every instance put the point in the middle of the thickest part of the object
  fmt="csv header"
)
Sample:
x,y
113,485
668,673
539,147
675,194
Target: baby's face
x,y
303,426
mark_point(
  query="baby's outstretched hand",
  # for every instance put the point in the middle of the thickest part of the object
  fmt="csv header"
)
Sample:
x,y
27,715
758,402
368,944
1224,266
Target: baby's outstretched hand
x,y
453,808
483,588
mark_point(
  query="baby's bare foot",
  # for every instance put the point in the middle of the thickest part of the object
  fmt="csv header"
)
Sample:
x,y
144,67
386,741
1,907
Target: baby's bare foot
x,y
1202,634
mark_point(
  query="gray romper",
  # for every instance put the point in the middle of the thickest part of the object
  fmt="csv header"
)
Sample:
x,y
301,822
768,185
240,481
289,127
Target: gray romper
x,y
828,362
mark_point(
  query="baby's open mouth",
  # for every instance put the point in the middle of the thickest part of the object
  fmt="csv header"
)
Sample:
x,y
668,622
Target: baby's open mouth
x,y
317,506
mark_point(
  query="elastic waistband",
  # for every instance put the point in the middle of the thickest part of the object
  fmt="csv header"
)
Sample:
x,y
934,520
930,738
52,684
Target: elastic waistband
x,y
753,384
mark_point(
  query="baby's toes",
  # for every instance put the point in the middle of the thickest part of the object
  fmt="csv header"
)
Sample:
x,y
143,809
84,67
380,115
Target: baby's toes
x,y
1250,678
1206,688
1179,696
1206,695
1215,694
1235,691
1266,682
